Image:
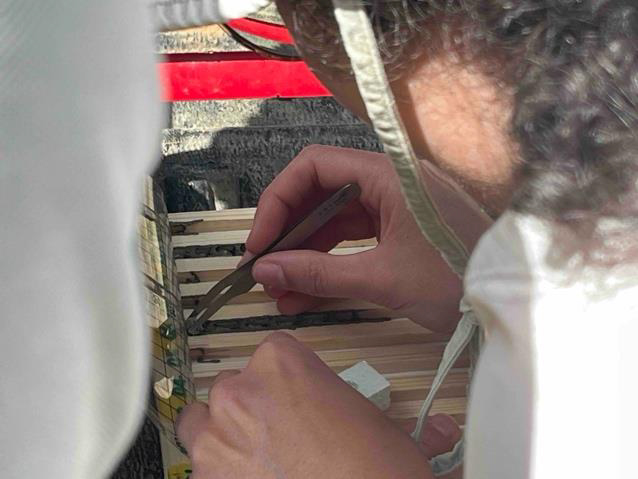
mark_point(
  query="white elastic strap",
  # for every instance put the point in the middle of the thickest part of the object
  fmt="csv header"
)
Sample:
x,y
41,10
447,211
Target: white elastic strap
x,y
448,461
453,349
367,65
361,46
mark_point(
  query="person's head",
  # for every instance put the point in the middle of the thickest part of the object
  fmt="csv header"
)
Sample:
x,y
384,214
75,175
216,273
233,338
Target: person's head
x,y
528,103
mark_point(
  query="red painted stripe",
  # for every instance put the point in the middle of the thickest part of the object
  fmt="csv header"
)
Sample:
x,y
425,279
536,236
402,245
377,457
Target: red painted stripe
x,y
270,31
230,76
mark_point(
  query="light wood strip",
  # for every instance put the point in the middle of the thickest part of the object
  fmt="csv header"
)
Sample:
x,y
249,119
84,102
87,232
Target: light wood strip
x,y
413,385
237,237
410,409
385,359
213,238
220,263
237,214
213,221
199,289
338,335
331,339
217,226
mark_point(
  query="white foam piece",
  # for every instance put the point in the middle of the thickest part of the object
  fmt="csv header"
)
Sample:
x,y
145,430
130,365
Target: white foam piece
x,y
371,384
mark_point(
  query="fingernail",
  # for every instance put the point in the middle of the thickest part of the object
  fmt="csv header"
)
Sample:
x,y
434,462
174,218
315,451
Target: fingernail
x,y
245,259
445,425
270,274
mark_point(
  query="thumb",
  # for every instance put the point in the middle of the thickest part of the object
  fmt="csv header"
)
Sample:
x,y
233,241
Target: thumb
x,y
439,435
191,422
320,274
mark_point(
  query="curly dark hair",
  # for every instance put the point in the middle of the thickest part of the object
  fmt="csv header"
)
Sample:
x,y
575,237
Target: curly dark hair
x,y
575,111
574,66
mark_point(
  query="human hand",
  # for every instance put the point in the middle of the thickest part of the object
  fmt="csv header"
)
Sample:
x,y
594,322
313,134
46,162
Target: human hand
x,y
403,273
288,415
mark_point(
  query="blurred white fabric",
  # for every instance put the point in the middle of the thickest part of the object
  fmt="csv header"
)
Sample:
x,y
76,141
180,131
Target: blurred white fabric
x,y
555,391
79,128
170,14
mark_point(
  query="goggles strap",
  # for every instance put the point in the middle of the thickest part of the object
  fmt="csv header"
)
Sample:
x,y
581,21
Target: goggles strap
x,y
361,46
367,65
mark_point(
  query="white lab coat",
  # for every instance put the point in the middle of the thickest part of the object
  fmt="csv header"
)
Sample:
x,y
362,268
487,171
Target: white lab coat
x,y
555,391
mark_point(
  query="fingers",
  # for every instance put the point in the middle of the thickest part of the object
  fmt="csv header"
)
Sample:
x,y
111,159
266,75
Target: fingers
x,y
274,292
354,225
309,176
326,238
191,422
439,435
320,274
280,351
229,373
195,417
292,303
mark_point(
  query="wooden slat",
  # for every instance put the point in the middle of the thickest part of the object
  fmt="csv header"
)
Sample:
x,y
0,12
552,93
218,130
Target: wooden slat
x,y
395,331
213,215
237,237
413,385
455,407
334,337
210,221
221,263
385,359
224,227
213,238
255,295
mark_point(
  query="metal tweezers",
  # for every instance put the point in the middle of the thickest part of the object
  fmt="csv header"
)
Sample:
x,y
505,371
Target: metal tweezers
x,y
241,280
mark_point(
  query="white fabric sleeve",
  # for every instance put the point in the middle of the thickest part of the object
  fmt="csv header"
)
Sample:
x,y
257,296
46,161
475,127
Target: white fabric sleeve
x,y
171,14
556,387
79,127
